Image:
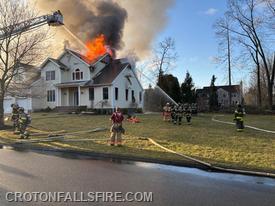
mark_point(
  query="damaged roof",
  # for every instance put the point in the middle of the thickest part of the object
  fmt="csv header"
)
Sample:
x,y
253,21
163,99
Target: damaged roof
x,y
105,77
85,59
108,74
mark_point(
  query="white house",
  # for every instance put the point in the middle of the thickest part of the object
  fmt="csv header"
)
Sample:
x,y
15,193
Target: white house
x,y
223,93
73,80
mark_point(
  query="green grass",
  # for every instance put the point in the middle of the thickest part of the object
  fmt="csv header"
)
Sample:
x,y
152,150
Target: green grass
x,y
260,121
216,143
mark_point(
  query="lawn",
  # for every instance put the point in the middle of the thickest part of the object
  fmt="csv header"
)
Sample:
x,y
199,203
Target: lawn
x,y
206,140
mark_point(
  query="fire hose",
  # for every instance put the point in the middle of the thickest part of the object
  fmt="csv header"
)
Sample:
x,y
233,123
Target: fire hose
x,y
61,137
251,127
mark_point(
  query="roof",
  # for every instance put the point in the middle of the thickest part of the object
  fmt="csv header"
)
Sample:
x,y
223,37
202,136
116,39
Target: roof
x,y
30,74
232,89
60,64
108,74
72,84
80,56
26,66
56,62
85,59
105,76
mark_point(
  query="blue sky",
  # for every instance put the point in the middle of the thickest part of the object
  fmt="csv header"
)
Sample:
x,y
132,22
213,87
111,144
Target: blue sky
x,y
190,23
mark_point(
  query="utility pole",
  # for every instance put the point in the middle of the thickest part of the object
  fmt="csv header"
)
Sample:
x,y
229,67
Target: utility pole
x,y
229,64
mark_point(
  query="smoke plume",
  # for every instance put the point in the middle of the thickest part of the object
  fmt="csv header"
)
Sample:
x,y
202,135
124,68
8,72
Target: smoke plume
x,y
88,19
130,26
146,19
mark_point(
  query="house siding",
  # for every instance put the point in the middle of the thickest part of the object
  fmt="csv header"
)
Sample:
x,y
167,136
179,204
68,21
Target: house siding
x,y
99,103
50,84
73,63
65,95
223,97
122,84
39,96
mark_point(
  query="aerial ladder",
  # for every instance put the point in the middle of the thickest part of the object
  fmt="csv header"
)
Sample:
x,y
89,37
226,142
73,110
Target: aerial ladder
x,y
55,19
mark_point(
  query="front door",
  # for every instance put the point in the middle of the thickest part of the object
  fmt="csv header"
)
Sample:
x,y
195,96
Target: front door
x,y
76,99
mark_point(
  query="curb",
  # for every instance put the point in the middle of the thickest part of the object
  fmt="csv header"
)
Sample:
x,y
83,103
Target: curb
x,y
188,162
106,156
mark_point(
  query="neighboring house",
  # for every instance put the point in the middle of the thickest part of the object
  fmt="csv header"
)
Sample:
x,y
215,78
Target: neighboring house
x,y
72,80
19,91
223,96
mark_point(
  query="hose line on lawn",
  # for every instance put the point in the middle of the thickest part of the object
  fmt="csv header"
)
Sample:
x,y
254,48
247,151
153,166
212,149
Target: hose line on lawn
x,y
251,127
210,166
215,168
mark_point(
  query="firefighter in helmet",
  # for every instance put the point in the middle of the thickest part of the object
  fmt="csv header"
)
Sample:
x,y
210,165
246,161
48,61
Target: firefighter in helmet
x,y
24,122
238,117
167,112
188,113
173,112
179,114
15,118
116,129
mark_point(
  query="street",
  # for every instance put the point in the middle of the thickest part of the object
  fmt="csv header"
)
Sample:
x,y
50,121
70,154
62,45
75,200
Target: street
x,y
23,171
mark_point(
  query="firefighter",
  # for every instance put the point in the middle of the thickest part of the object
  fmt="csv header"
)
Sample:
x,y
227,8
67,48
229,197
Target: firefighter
x,y
238,117
173,112
116,129
188,113
179,113
167,112
24,122
15,118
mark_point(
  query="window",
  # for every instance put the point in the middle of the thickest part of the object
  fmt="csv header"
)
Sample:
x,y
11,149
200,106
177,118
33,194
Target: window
x,y
51,95
105,93
133,96
116,93
77,75
91,94
50,75
140,96
126,94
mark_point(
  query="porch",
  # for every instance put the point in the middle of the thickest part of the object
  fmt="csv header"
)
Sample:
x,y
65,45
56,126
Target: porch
x,y
73,95
70,96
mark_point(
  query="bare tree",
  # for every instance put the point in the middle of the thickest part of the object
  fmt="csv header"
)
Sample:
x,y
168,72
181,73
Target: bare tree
x,y
251,26
222,27
250,95
271,6
165,56
22,48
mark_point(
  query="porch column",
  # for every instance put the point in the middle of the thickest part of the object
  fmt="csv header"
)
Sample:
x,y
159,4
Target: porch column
x,y
79,94
68,97
58,96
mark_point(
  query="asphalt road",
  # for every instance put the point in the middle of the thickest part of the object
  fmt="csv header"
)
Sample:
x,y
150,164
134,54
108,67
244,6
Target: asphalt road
x,y
33,172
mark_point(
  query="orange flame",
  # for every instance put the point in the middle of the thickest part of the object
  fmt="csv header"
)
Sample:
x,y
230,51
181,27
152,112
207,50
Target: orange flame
x,y
97,47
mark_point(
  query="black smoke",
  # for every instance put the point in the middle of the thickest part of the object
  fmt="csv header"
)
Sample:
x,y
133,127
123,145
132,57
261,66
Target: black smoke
x,y
89,18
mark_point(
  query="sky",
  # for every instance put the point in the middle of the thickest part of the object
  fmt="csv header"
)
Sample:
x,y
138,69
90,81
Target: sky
x,y
190,23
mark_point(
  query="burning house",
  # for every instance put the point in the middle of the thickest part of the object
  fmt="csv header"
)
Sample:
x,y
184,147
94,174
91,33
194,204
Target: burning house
x,y
95,80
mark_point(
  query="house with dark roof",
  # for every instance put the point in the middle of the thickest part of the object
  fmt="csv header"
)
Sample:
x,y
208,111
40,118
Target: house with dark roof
x,y
72,80
223,93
